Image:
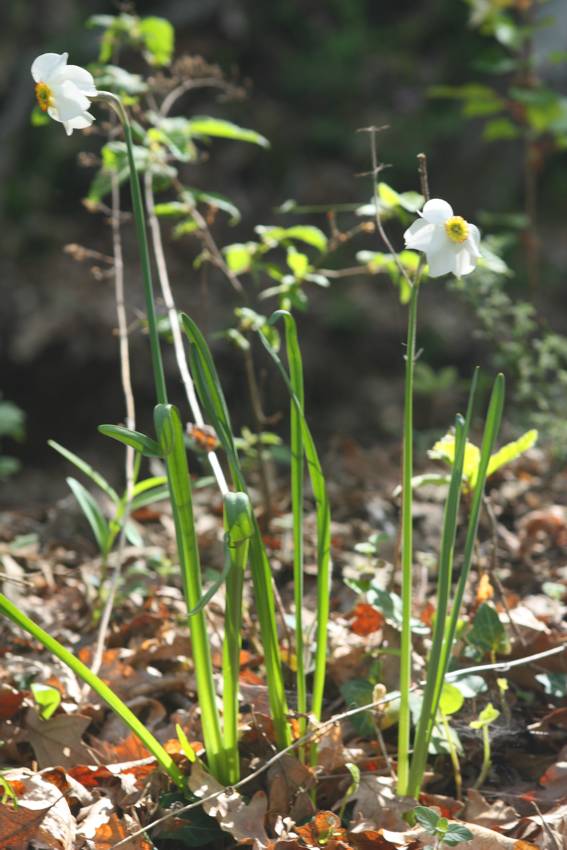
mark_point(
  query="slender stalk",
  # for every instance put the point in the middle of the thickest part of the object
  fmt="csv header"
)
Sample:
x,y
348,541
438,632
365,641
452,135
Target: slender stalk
x,y
434,684
486,759
239,529
212,398
170,435
297,498
98,686
407,551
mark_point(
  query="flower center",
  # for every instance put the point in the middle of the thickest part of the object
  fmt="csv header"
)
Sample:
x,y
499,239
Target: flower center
x,y
457,229
44,96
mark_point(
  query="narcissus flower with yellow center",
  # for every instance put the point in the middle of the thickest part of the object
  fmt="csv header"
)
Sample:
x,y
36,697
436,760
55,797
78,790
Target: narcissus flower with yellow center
x,y
451,244
63,91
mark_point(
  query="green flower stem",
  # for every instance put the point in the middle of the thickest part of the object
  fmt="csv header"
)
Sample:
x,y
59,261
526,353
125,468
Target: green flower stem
x,y
98,686
209,388
297,497
407,551
435,672
140,220
486,758
239,529
170,435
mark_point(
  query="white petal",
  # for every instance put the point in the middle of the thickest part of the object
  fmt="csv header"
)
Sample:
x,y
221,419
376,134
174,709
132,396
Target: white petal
x,y
77,75
420,235
441,262
81,123
47,64
465,263
437,211
70,102
473,241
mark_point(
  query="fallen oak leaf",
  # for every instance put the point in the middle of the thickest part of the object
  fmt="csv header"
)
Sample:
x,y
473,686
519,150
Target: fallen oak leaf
x,y
103,828
487,839
43,815
10,702
244,821
57,740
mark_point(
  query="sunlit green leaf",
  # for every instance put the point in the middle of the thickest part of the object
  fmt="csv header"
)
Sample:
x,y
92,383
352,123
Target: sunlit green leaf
x,y
47,698
206,126
158,37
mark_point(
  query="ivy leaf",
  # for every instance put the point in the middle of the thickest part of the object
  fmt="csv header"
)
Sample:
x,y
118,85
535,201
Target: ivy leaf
x,y
205,126
488,633
357,692
118,80
456,834
451,699
158,37
300,232
427,818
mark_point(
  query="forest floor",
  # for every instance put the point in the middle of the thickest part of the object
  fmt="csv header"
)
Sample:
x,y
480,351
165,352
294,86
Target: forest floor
x,y
79,780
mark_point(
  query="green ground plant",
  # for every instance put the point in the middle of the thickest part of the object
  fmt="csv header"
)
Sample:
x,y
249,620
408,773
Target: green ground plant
x,y
149,143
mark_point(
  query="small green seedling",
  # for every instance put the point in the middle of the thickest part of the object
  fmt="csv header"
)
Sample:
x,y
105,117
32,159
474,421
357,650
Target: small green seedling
x,y
105,531
486,717
444,833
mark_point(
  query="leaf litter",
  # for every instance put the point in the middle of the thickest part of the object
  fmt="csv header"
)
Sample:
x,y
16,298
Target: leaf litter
x,y
80,780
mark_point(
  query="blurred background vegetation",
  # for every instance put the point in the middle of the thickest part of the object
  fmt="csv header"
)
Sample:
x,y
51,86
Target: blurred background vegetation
x,y
314,72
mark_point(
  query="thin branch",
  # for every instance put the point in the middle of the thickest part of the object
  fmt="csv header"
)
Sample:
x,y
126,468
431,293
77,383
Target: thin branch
x,y
126,379
178,346
376,169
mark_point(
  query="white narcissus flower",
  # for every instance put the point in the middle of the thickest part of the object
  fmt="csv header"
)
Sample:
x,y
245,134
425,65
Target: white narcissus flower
x,y
450,244
63,91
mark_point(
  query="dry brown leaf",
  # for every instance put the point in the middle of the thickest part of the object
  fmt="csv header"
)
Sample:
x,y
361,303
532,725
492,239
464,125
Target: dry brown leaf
x,y
10,702
43,815
244,821
488,839
57,741
104,828
330,749
549,829
288,784
376,801
496,815
363,838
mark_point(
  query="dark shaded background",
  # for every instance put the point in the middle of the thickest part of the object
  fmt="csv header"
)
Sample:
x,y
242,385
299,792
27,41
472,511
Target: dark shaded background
x,y
317,70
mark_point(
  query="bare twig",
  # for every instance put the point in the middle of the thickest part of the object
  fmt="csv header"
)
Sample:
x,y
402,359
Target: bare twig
x,y
178,346
337,718
376,169
126,378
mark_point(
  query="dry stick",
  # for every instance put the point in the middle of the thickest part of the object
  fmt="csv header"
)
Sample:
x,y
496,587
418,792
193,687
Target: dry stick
x,y
178,346
502,667
547,829
126,380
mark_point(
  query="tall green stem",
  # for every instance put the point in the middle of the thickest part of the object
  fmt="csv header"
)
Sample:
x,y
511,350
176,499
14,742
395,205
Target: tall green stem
x,y
407,551
297,474
170,435
239,529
